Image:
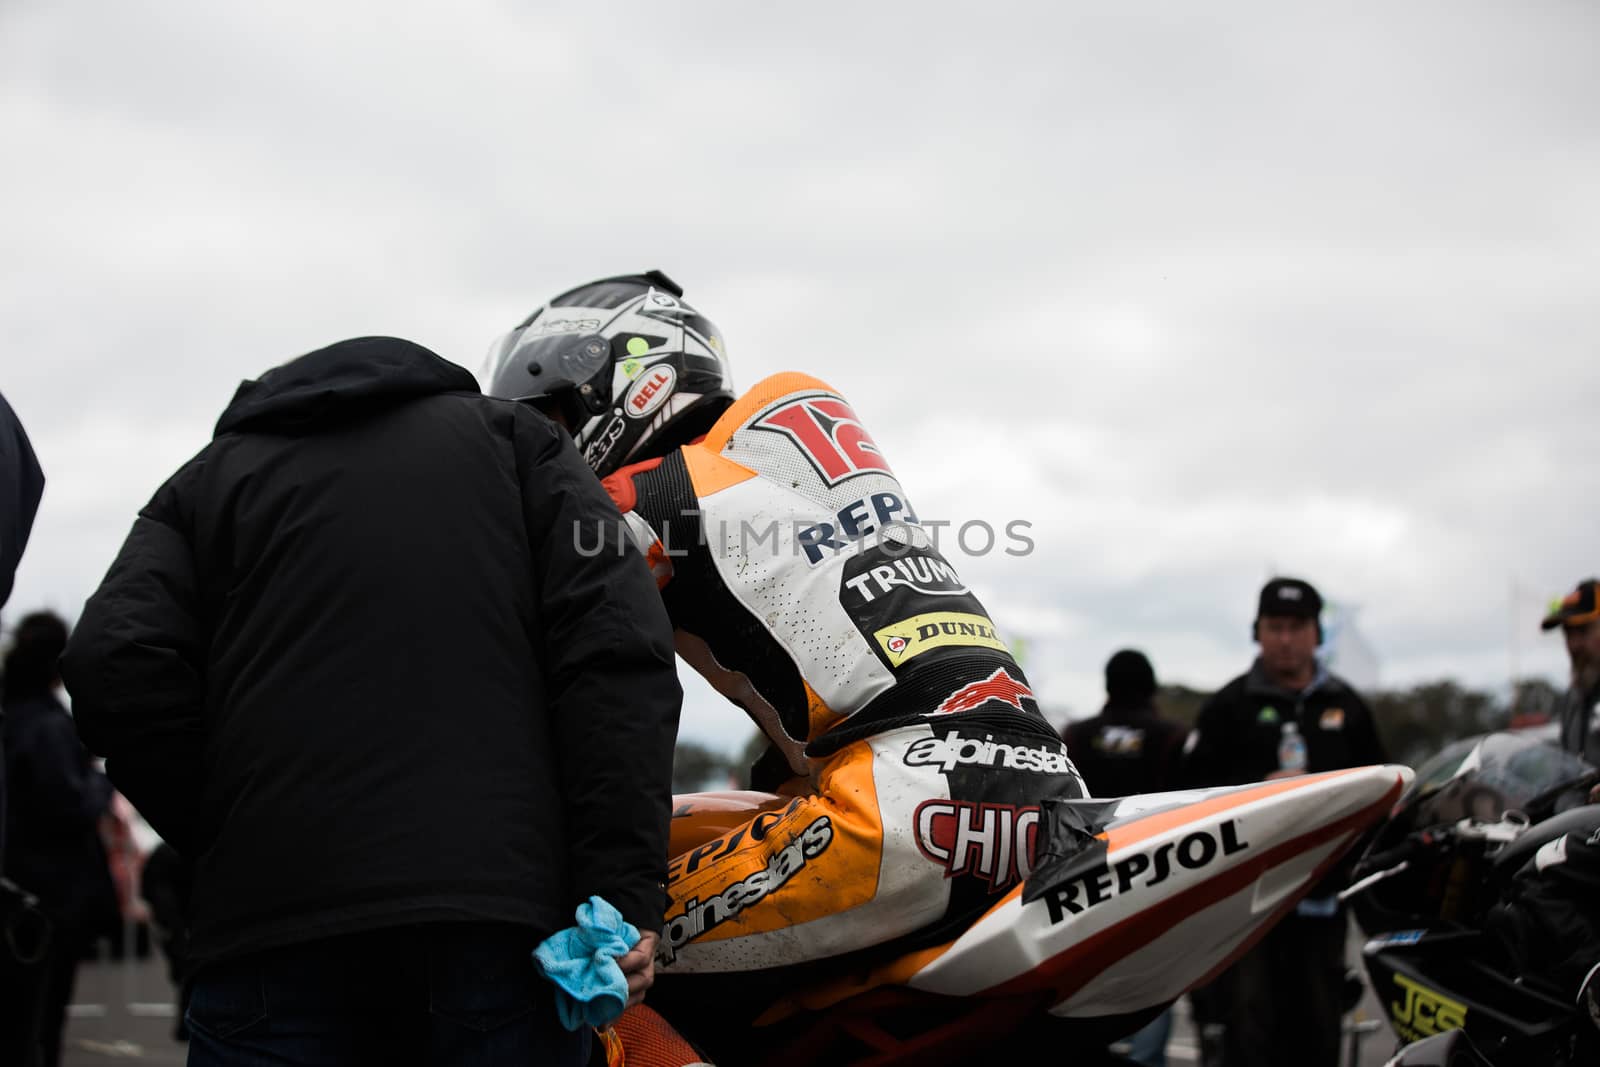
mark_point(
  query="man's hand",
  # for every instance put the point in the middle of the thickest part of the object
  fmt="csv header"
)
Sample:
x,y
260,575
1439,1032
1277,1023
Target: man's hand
x,y
639,966
1594,794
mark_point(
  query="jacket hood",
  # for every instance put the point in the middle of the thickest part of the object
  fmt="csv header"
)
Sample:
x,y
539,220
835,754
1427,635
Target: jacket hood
x,y
340,383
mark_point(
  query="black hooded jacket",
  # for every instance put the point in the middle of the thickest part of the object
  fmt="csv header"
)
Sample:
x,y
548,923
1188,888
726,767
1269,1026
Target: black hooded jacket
x,y
21,486
1238,729
1127,749
355,662
53,834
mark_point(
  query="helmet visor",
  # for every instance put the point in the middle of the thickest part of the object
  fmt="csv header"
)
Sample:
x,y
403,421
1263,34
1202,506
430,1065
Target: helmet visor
x,y
536,360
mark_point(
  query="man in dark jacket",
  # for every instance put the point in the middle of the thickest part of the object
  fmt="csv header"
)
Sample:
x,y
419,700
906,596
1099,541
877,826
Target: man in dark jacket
x,y
352,663
57,798
1129,747
24,946
1578,616
21,486
1287,715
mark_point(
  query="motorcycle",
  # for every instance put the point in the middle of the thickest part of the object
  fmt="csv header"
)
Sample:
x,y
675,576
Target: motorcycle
x,y
1131,902
1429,890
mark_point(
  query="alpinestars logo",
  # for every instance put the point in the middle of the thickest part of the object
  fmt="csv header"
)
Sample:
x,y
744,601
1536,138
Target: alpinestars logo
x,y
991,841
701,916
956,750
998,686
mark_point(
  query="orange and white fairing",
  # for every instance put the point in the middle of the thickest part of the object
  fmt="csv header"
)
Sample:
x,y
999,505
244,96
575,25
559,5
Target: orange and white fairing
x,y
1188,881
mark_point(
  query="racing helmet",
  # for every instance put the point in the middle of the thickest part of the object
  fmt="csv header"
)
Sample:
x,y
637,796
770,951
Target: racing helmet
x,y
631,368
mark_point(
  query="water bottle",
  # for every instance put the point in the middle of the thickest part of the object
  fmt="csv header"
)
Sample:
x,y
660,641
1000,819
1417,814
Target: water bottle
x,y
1291,748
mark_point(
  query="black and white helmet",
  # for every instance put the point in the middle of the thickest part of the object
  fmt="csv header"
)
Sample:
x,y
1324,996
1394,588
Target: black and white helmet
x,y
632,369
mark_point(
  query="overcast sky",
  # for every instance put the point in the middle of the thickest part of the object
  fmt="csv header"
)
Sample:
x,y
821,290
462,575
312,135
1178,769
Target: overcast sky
x,y
1202,292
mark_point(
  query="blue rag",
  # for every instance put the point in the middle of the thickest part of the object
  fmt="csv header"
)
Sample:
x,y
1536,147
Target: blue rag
x,y
582,962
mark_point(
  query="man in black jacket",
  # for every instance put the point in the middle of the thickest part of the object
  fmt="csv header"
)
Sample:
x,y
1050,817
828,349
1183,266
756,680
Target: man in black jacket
x,y
1578,616
57,799
21,486
1286,716
351,662
24,944
1130,747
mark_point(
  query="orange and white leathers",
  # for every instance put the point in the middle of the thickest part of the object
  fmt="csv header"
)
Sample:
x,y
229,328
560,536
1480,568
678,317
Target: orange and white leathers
x,y
909,830
805,589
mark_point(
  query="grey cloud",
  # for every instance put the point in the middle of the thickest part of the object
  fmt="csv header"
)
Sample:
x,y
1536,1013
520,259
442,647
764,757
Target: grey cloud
x,y
1200,290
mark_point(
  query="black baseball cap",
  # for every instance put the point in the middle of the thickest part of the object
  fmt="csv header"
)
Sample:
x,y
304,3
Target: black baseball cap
x,y
1577,607
1289,596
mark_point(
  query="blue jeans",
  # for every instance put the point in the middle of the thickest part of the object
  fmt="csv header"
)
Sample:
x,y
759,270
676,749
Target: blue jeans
x,y
1148,1045
445,994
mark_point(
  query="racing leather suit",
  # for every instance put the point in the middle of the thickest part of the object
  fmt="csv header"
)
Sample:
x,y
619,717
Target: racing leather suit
x,y
802,586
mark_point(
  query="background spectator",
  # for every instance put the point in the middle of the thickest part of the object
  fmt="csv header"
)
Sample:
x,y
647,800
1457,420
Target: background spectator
x,y
1130,748
56,798
1578,615
1285,716
21,485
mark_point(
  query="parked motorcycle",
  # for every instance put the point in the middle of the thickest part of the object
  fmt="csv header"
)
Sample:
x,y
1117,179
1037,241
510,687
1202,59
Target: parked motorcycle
x,y
1131,902
1446,891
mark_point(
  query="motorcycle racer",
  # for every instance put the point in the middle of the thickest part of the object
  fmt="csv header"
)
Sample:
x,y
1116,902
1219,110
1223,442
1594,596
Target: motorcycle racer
x,y
804,589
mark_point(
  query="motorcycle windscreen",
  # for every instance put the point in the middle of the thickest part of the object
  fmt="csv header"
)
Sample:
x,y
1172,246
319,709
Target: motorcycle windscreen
x,y
1482,778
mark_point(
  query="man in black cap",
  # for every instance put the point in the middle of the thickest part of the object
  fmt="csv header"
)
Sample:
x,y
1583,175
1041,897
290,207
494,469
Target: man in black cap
x,y
1578,615
1287,715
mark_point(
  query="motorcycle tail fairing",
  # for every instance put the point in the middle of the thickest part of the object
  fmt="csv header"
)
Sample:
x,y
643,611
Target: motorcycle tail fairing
x,y
1133,901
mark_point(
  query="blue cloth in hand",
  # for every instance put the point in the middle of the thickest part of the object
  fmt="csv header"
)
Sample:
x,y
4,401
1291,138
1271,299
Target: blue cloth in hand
x,y
582,962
